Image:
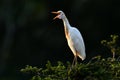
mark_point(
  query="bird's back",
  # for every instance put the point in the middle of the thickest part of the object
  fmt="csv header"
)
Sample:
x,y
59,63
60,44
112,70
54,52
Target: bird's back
x,y
76,43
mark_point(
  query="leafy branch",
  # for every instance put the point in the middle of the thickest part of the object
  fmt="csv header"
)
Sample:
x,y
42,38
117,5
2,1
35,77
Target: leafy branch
x,y
96,69
112,44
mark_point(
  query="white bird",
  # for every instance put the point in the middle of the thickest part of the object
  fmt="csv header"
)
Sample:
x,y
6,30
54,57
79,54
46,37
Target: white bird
x,y
73,36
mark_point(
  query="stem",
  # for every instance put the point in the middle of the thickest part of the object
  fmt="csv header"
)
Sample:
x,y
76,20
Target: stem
x,y
113,52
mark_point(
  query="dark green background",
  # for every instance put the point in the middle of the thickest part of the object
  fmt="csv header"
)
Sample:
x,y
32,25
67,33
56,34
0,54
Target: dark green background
x,y
30,36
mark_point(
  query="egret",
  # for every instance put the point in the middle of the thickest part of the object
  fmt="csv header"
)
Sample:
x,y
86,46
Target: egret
x,y
73,36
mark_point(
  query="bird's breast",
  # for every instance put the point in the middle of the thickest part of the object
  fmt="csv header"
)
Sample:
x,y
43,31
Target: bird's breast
x,y
68,37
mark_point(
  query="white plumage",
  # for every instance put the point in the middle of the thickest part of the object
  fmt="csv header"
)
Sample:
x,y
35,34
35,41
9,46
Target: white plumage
x,y
73,36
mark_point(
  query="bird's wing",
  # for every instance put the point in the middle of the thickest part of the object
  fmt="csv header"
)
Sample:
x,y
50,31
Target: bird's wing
x,y
78,42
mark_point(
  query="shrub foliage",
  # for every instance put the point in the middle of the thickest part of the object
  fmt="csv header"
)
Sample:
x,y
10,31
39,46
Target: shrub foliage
x,y
97,68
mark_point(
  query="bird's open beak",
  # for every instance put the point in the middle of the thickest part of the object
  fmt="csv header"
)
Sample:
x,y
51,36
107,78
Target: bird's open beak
x,y
56,16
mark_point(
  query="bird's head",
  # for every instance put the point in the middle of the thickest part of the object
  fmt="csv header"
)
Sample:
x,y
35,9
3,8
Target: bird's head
x,y
60,14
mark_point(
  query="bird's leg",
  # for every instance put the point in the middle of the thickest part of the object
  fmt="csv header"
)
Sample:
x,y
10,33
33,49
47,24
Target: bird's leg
x,y
72,65
73,61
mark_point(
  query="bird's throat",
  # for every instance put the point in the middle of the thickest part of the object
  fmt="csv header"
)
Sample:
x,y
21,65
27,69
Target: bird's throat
x,y
66,26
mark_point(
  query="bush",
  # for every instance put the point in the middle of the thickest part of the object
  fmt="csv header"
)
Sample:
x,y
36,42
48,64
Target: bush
x,y
96,69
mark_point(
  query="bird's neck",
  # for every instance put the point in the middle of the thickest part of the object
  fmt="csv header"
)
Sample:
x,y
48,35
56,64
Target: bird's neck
x,y
66,25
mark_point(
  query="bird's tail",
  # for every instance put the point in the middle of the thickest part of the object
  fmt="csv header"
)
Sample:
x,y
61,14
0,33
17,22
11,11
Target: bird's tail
x,y
83,56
